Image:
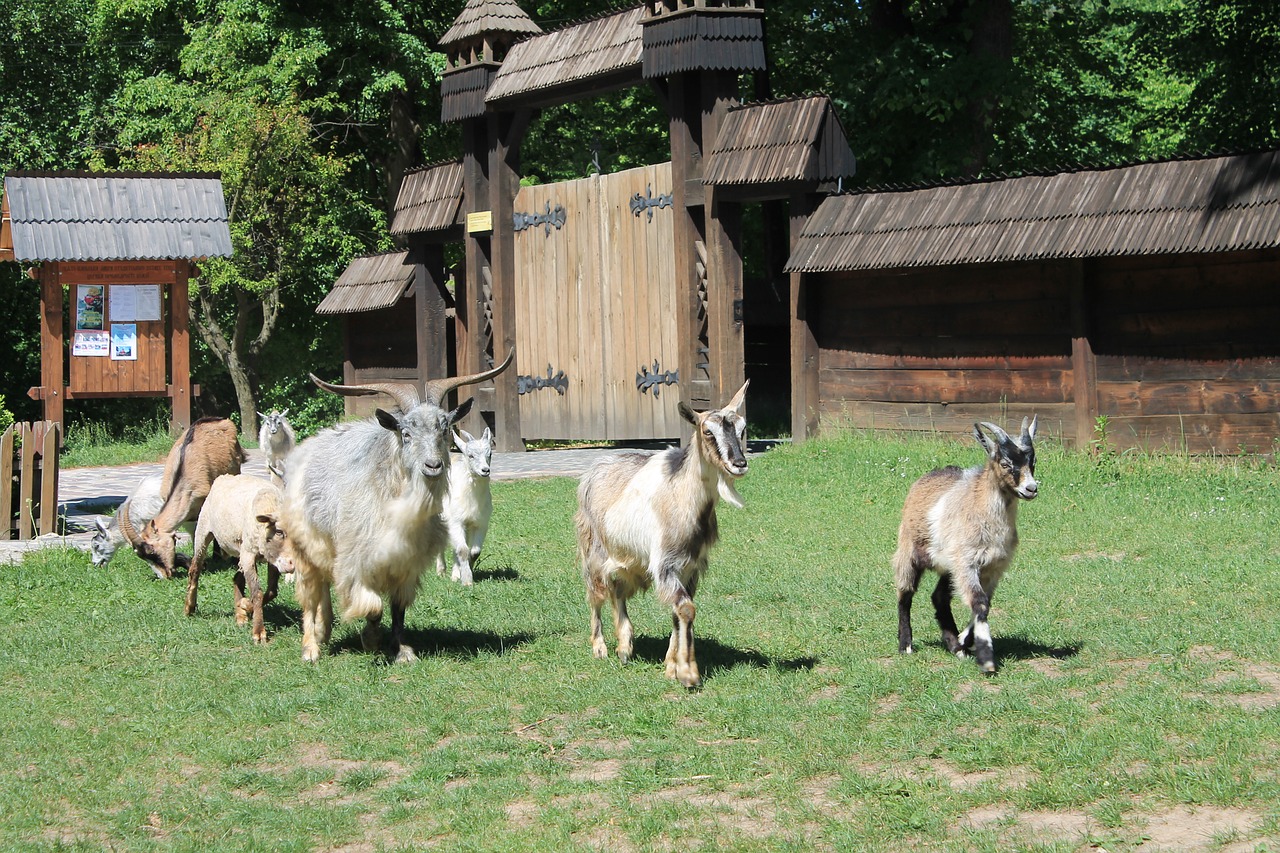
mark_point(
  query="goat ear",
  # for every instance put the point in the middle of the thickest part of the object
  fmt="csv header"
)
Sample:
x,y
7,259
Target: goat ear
x,y
686,413
466,436
1028,433
739,398
267,518
488,435
458,440
101,525
461,412
388,420
264,417
285,412
985,440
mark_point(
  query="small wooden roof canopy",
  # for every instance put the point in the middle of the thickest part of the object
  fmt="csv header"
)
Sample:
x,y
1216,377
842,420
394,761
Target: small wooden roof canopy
x,y
430,199
1214,204
370,282
123,243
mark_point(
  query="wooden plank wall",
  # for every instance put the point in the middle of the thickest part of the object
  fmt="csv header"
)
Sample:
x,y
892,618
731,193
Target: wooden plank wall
x,y
29,475
595,299
936,350
1188,351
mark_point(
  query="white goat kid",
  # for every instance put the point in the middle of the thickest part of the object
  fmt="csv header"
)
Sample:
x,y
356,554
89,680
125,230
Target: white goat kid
x,y
141,505
962,524
362,506
276,441
468,505
650,520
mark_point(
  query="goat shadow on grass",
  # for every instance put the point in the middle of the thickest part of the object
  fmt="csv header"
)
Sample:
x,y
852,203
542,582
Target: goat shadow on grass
x,y
435,642
497,573
714,656
1018,648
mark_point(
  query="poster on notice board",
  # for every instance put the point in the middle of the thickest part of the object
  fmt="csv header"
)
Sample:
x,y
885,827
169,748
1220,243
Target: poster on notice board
x,y
124,342
91,342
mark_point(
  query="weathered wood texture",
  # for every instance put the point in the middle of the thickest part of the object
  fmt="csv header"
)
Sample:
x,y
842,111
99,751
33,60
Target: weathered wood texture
x,y
594,299
29,478
1178,353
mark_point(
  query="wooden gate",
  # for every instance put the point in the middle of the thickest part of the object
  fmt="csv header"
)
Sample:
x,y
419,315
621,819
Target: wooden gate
x,y
595,300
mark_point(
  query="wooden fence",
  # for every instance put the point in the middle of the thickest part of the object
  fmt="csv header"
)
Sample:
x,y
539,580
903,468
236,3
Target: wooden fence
x,y
29,472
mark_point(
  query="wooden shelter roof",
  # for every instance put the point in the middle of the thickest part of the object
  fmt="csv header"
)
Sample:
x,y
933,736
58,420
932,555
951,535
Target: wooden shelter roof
x,y
605,50
368,283
86,216
429,199
488,16
796,139
704,38
1214,204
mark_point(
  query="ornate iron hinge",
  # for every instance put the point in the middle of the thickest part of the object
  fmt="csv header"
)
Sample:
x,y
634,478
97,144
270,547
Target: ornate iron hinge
x,y
551,217
647,202
529,384
646,380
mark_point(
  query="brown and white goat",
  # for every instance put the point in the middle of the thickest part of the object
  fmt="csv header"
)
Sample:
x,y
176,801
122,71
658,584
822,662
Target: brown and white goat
x,y
242,513
207,450
650,520
962,524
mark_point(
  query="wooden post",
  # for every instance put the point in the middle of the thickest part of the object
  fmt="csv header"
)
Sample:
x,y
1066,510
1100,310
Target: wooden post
x,y
505,132
469,298
50,440
683,104
805,389
180,352
26,479
6,482
723,232
1084,364
53,349
432,357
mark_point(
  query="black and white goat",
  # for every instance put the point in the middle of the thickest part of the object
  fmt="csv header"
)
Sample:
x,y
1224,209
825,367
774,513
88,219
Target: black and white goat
x,y
468,505
650,520
962,523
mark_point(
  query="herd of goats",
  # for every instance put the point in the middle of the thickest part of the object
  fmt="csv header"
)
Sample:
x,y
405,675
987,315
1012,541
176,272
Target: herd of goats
x,y
366,506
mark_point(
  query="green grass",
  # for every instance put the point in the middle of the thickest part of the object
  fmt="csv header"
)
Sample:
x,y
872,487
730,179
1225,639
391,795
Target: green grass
x,y
91,445
1138,692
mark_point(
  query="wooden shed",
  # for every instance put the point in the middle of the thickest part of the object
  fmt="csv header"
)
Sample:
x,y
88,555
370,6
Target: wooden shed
x,y
121,248
1142,302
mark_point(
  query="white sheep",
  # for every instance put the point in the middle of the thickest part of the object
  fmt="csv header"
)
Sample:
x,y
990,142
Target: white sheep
x,y
962,524
242,514
468,505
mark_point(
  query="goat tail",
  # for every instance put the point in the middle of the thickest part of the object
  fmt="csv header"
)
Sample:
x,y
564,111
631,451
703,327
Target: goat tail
x,y
907,565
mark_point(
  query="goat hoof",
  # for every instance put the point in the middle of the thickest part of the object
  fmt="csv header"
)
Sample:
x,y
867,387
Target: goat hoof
x,y
310,654
260,637
907,650
405,655
624,657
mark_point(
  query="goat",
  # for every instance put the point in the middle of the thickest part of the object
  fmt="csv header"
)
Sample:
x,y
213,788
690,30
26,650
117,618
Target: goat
x,y
276,440
962,524
140,506
242,514
207,450
362,506
468,504
650,520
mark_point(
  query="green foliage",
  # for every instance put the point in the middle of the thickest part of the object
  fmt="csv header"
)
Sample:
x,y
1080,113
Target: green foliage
x,y
6,416
1135,634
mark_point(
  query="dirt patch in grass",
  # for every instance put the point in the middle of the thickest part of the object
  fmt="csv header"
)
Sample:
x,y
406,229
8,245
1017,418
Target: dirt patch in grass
x,y
1179,828
316,756
1230,668
1186,828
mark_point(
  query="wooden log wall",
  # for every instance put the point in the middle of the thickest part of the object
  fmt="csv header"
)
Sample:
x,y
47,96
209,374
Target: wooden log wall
x,y
936,350
1182,351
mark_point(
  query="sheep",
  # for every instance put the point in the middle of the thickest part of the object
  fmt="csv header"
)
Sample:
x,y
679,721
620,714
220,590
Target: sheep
x,y
141,506
208,449
276,440
650,520
242,514
468,504
362,506
962,524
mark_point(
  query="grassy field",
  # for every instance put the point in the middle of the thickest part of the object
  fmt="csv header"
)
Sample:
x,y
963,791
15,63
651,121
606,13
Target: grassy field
x,y
1137,703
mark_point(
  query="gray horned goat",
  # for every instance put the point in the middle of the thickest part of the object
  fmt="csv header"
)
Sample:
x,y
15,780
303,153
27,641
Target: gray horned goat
x,y
242,513
276,441
139,507
962,524
468,504
650,520
208,449
362,506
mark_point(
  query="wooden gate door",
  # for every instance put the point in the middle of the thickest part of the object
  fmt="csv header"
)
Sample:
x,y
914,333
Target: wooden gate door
x,y
595,297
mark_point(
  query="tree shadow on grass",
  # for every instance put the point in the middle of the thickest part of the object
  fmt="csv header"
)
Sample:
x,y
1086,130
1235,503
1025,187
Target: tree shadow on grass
x,y
714,657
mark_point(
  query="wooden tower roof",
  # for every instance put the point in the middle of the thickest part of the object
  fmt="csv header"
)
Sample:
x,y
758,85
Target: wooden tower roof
x,y
481,17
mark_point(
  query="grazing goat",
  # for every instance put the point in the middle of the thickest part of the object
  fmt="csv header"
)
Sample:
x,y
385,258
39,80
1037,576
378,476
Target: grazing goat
x,y
962,524
362,506
276,440
207,450
650,520
242,513
468,504
141,506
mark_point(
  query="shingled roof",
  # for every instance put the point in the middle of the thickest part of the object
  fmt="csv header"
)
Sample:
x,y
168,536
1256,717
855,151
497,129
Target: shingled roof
x,y
1216,204
85,216
368,283
797,139
703,37
429,199
488,16
607,46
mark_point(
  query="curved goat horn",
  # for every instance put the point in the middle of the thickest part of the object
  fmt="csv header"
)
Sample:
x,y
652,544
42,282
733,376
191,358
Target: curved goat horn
x,y
436,389
125,523
405,395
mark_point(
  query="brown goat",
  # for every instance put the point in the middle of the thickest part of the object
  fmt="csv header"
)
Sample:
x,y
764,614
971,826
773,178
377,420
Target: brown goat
x,y
207,450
